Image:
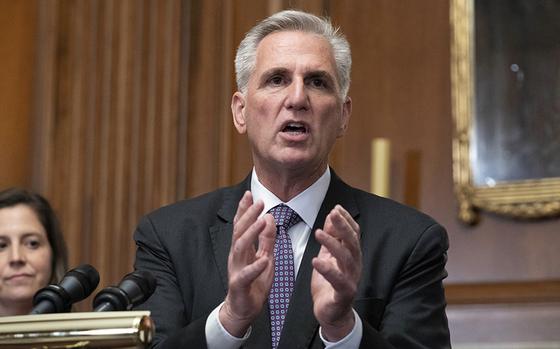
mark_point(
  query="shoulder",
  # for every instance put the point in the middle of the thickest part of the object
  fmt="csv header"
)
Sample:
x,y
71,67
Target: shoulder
x,y
392,222
219,204
385,209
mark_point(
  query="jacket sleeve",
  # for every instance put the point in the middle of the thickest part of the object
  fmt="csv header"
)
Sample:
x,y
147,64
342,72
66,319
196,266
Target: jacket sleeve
x,y
166,304
414,315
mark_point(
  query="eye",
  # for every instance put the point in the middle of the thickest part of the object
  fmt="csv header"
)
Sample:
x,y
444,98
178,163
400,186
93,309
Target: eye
x,y
3,245
33,243
276,80
318,83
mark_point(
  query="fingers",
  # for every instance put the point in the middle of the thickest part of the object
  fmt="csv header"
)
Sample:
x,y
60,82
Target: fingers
x,y
244,260
250,269
342,255
245,240
339,281
244,203
337,255
244,278
340,259
343,280
341,226
346,215
247,225
247,213
267,237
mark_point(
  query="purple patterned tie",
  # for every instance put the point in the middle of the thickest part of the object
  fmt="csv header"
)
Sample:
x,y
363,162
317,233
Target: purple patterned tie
x,y
284,274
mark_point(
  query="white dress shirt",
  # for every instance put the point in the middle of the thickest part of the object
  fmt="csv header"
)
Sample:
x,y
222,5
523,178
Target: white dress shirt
x,y
307,205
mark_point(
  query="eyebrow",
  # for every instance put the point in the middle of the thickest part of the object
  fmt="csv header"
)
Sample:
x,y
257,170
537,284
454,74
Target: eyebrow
x,y
310,74
273,71
25,235
320,74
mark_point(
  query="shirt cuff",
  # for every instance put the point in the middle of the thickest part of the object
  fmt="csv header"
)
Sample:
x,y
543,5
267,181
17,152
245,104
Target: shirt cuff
x,y
217,337
351,341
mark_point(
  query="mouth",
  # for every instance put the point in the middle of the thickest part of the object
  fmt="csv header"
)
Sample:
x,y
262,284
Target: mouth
x,y
295,128
18,276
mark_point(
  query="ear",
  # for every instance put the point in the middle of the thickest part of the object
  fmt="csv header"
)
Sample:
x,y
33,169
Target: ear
x,y
238,112
345,119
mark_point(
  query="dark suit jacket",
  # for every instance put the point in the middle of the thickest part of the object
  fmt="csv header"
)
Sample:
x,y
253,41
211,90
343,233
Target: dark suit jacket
x,y
400,296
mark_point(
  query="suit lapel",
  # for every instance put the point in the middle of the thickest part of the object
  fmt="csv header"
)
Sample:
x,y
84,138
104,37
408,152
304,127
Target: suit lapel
x,y
300,325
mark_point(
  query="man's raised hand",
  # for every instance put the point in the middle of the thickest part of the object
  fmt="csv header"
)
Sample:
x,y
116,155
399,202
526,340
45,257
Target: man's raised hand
x,y
336,273
250,269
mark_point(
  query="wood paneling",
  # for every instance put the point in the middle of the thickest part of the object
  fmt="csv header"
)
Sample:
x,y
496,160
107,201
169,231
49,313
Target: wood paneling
x,y
210,80
17,48
109,121
505,326
400,86
504,292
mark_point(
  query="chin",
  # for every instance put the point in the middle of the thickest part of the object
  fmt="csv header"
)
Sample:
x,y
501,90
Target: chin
x,y
296,158
20,294
295,163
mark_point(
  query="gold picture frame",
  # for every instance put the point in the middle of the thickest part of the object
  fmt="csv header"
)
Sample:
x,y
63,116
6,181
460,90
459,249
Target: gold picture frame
x,y
527,198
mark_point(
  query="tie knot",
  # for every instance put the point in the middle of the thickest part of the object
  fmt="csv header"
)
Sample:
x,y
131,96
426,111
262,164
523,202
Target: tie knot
x,y
284,216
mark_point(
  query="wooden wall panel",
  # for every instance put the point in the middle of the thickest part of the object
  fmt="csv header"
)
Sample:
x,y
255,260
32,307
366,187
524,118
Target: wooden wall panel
x,y
505,326
209,92
399,85
17,48
109,125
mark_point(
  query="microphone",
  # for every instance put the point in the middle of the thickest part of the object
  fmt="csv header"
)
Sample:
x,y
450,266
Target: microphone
x,y
134,289
76,285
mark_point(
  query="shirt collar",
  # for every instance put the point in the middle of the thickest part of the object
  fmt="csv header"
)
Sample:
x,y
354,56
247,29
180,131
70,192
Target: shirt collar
x,y
306,204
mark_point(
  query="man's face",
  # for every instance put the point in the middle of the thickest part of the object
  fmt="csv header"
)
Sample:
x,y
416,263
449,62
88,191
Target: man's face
x,y
292,111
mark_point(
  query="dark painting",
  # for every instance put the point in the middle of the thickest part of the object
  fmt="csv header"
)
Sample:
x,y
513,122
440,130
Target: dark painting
x,y
517,120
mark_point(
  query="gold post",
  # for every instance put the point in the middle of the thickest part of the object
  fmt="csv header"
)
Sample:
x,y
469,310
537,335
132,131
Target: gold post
x,y
380,166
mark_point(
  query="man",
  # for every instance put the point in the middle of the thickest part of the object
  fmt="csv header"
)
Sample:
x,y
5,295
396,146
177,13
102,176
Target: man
x,y
335,267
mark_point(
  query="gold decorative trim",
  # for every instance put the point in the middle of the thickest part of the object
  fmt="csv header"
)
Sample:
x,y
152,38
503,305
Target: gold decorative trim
x,y
535,198
124,329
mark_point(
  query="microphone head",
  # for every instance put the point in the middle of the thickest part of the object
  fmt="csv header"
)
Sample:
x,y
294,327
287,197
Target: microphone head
x,y
80,282
75,286
138,285
134,289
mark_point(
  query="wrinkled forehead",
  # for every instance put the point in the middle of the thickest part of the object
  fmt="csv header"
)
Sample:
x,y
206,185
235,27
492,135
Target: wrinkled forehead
x,y
295,49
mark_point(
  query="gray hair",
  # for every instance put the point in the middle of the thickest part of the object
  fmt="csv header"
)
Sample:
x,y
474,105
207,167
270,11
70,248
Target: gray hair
x,y
292,20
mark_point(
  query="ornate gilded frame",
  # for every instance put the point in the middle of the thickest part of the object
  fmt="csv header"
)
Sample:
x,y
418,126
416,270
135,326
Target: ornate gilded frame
x,y
532,198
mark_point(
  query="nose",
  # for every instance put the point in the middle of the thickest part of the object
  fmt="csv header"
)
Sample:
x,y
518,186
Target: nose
x,y
17,256
297,98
